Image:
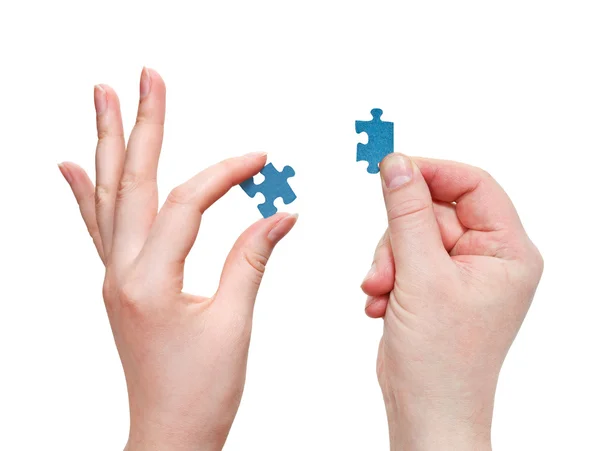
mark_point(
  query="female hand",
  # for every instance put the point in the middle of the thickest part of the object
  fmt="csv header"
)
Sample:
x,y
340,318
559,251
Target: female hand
x,y
453,278
184,356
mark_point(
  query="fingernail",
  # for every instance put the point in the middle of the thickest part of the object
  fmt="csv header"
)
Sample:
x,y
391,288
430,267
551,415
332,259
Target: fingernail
x,y
282,228
100,100
397,170
255,154
145,83
371,273
64,170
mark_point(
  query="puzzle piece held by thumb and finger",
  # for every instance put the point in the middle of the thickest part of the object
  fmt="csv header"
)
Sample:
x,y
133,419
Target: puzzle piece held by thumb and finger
x,y
274,186
381,140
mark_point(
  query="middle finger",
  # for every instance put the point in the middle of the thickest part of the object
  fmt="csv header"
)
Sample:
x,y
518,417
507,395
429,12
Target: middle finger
x,y
137,198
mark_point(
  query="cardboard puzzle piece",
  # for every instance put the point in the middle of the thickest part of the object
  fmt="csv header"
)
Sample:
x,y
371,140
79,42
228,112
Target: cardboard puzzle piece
x,y
381,140
275,185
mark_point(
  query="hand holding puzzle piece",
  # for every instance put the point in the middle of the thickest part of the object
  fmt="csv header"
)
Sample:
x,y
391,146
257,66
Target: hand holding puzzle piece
x,y
275,185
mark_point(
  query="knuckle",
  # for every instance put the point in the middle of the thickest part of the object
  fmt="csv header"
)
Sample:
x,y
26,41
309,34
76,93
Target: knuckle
x,y
532,263
257,261
102,134
102,196
537,262
408,207
481,173
180,195
130,182
108,133
107,290
485,179
485,174
145,120
130,295
382,251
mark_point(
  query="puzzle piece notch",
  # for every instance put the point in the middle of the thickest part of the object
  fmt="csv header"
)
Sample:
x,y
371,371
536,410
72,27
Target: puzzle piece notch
x,y
381,140
275,185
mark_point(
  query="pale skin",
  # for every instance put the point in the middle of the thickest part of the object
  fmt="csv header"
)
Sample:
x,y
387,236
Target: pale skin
x,y
184,356
452,278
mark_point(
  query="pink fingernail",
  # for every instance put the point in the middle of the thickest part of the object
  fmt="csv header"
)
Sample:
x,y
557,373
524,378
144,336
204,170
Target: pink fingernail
x,y
282,228
64,170
396,170
255,154
100,100
145,83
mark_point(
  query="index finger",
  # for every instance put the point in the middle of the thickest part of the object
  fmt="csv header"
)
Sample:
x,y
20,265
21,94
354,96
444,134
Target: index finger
x,y
176,227
481,203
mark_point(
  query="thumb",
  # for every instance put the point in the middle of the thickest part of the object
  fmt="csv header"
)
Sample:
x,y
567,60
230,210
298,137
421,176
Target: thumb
x,y
414,232
246,263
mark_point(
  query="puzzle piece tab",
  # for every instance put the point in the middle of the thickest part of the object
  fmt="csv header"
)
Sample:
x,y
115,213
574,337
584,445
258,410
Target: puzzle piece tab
x,y
275,185
381,140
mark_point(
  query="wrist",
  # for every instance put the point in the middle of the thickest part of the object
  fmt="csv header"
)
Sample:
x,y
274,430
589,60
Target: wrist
x,y
442,436
159,438
426,425
167,443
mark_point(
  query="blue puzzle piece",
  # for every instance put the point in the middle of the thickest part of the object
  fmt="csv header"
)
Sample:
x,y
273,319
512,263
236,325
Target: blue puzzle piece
x,y
275,185
381,140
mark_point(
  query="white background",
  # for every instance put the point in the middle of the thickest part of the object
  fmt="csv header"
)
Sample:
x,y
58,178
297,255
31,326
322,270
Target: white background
x,y
512,86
